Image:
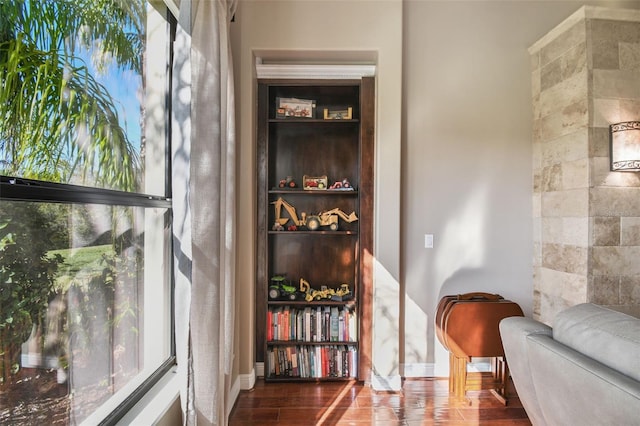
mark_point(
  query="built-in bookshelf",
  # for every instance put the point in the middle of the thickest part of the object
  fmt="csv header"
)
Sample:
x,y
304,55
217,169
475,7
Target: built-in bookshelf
x,y
314,216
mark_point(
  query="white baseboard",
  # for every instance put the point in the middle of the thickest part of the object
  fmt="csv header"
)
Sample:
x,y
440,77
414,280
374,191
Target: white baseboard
x,y
260,369
248,381
479,365
234,392
429,369
417,369
387,383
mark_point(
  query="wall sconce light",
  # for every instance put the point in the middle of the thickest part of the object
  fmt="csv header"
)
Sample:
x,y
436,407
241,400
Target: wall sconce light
x,y
625,146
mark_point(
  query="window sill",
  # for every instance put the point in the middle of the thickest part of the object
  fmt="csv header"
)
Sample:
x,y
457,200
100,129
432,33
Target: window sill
x,y
156,404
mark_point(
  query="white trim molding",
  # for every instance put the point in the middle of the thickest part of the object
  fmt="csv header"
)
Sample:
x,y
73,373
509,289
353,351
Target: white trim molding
x,y
164,397
585,12
386,383
234,393
313,71
242,382
173,6
247,381
417,369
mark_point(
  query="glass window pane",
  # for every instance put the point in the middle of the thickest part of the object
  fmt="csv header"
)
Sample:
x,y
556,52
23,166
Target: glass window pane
x,y
82,101
85,309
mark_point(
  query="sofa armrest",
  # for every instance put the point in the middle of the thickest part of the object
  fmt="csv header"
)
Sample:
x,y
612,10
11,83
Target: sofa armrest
x,y
575,389
514,332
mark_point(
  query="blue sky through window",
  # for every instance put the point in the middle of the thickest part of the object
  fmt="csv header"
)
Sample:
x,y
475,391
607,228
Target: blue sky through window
x,y
125,87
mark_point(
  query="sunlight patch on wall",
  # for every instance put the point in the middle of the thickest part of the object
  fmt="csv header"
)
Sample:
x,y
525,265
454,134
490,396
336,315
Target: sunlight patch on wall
x,y
462,244
415,336
386,323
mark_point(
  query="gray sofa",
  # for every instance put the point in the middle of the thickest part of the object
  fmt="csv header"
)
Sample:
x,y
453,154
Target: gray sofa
x,y
583,371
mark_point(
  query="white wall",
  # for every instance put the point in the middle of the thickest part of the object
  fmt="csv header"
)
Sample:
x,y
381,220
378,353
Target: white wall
x,y
467,170
325,31
453,149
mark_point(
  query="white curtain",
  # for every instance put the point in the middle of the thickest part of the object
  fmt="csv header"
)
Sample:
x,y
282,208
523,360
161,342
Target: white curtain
x,y
203,179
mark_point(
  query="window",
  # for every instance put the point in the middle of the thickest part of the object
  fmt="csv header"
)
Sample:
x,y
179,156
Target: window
x,y
85,210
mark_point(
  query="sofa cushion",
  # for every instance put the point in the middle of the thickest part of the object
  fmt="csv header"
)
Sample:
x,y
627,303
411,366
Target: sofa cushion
x,y
607,336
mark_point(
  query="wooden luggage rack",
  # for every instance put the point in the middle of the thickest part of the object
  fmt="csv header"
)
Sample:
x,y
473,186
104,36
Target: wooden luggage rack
x,y
467,326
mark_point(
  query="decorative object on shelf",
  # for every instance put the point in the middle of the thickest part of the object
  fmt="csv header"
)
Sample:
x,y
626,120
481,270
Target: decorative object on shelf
x,y
289,182
342,185
625,146
337,295
338,113
279,222
281,288
342,294
311,222
295,108
314,182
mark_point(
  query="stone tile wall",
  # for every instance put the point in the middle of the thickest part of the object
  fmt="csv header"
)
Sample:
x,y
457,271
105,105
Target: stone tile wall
x,y
585,76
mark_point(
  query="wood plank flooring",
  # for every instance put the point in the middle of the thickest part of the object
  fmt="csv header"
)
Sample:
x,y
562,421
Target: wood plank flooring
x,y
420,402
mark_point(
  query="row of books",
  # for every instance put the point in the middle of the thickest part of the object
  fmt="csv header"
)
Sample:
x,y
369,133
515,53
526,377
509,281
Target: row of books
x,y
311,324
338,361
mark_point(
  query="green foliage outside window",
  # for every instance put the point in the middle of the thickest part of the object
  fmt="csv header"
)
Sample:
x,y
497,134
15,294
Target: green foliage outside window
x,y
27,279
57,123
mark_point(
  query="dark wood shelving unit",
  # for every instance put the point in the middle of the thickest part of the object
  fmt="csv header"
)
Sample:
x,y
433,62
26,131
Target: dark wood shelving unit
x,y
339,149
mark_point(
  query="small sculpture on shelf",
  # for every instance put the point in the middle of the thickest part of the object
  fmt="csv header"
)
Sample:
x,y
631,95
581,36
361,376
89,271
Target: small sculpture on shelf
x,y
312,221
314,182
337,295
289,182
281,288
341,294
342,185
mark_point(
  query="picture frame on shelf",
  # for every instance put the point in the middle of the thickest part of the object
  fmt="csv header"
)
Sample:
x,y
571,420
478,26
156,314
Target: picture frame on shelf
x,y
295,108
338,113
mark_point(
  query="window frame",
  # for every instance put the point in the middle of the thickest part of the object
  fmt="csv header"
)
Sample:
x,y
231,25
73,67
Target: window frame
x,y
14,188
21,189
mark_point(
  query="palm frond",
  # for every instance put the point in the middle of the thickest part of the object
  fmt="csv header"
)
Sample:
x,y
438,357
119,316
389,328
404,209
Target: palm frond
x,y
56,121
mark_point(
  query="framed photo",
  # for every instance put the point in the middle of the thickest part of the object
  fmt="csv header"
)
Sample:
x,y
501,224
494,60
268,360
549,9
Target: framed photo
x,y
338,113
295,108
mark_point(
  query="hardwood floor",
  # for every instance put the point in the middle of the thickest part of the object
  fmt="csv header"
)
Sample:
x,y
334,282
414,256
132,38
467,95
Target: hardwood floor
x,y
420,402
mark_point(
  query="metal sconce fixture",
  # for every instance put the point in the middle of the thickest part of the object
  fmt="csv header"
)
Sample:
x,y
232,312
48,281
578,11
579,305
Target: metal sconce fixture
x,y
625,146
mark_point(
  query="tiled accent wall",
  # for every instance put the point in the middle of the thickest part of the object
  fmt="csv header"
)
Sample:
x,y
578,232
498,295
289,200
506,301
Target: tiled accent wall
x,y
585,75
